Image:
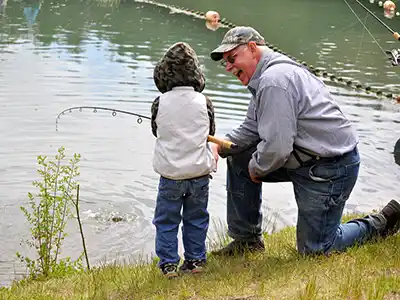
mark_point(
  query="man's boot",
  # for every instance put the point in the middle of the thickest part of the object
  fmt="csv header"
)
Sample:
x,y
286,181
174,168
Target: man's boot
x,y
391,212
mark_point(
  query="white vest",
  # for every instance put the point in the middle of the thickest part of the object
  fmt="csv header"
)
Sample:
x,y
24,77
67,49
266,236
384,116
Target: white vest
x,y
181,149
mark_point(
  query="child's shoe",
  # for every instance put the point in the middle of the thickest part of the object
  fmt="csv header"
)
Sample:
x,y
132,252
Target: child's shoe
x,y
192,266
170,270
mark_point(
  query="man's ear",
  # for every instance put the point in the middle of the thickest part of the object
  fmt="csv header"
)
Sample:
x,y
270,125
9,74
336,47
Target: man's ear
x,y
253,47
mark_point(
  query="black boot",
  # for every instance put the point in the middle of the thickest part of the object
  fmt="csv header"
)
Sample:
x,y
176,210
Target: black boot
x,y
240,247
391,212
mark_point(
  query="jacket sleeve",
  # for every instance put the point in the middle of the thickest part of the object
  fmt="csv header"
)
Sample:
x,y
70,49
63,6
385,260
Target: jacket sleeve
x,y
211,116
277,126
154,111
246,134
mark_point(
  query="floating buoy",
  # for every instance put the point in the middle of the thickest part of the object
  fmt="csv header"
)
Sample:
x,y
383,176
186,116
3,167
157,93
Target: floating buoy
x,y
389,5
389,9
212,16
213,20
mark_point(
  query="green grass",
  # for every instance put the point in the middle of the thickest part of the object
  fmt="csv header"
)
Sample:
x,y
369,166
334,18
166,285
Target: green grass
x,y
371,271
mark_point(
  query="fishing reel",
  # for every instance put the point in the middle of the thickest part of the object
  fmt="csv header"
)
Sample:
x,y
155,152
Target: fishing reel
x,y
394,56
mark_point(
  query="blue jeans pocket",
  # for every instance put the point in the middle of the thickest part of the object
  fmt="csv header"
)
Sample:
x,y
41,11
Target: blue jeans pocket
x,y
324,172
169,189
200,189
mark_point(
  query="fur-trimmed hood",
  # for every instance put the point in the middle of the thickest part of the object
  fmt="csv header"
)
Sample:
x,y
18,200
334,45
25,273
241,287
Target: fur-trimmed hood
x,y
179,66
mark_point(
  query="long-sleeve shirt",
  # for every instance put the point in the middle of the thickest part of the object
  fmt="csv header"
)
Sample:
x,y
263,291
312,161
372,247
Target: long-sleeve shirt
x,y
290,106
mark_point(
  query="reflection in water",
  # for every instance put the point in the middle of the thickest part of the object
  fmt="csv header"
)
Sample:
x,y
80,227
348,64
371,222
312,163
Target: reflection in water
x,y
3,5
212,25
31,10
83,54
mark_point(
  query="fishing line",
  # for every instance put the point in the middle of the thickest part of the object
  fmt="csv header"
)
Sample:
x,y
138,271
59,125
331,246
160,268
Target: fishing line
x,y
362,38
395,34
365,27
330,35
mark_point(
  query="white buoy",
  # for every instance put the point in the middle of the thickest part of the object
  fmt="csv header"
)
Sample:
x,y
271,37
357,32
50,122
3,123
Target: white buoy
x,y
389,5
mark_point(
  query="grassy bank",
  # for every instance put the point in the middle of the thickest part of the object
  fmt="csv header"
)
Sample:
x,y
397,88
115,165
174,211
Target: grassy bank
x,y
371,271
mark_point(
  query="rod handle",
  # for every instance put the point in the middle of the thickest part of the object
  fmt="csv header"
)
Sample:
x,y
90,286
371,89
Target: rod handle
x,y
221,142
396,35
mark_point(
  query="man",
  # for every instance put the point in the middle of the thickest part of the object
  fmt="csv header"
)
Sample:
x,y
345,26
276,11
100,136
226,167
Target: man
x,y
293,132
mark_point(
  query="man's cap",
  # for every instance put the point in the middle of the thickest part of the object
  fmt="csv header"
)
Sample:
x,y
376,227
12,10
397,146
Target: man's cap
x,y
237,36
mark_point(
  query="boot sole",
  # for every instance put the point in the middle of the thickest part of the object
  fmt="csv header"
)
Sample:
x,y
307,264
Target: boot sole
x,y
395,204
394,207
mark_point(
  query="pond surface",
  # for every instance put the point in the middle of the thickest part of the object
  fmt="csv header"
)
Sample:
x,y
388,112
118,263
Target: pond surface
x,y
55,55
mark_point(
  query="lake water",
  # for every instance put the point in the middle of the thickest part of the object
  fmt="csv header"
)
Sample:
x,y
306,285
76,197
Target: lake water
x,y
55,55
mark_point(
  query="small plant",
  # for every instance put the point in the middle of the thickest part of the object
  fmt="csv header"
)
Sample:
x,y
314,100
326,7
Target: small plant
x,y
50,209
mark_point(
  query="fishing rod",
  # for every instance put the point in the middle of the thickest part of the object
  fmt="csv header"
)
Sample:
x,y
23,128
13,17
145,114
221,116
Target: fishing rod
x,y
395,34
223,143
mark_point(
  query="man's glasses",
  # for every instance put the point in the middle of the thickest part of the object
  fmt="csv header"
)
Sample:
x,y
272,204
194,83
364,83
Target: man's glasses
x,y
230,59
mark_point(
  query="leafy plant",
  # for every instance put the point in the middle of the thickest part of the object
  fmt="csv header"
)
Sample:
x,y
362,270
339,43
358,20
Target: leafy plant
x,y
48,212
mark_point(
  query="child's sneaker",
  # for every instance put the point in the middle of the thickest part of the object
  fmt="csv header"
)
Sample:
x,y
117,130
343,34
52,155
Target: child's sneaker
x,y
192,266
170,270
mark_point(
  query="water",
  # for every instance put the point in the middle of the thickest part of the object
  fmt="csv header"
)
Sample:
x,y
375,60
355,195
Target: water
x,y
55,55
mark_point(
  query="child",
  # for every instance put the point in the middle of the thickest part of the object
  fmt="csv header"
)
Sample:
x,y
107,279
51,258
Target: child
x,y
181,120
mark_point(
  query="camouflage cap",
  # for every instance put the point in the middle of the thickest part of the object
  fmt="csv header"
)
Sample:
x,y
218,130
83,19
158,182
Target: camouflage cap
x,y
179,66
237,36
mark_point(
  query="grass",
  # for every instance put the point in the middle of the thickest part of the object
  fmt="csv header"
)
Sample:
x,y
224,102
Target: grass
x,y
370,271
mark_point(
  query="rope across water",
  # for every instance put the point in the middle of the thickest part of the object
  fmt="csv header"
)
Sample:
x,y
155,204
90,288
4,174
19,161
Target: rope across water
x,y
320,72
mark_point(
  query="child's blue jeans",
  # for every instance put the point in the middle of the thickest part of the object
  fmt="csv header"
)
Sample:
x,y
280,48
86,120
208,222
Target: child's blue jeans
x,y
190,196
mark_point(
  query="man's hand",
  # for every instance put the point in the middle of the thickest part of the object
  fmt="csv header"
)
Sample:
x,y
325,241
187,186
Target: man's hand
x,y
254,178
215,149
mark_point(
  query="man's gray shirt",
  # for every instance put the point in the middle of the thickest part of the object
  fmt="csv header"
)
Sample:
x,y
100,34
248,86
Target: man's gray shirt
x,y
289,105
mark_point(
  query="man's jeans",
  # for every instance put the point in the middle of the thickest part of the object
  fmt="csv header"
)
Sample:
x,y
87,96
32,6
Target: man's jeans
x,y
192,196
321,189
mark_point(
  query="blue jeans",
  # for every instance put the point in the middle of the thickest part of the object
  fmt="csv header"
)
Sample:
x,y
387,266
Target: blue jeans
x,y
190,196
321,189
